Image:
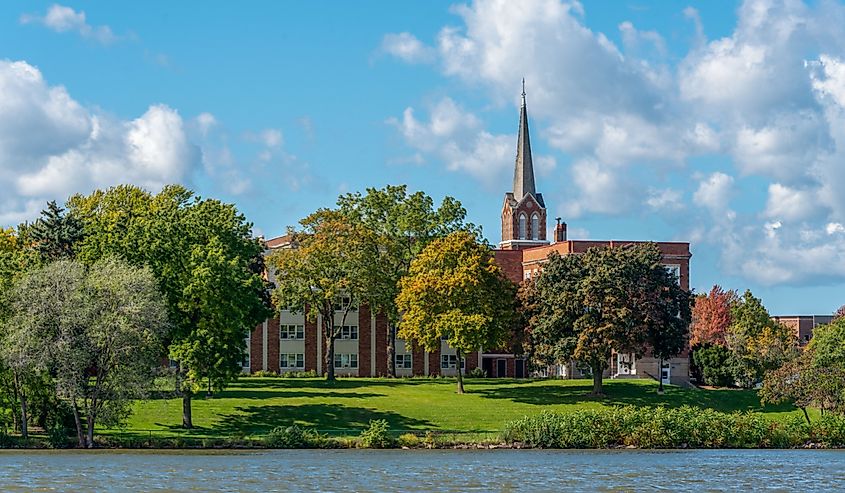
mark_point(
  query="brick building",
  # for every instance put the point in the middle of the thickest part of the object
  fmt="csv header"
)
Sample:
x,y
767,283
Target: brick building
x,y
290,342
803,325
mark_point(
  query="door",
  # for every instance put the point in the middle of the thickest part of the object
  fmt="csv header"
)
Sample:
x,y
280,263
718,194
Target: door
x,y
666,373
519,368
501,368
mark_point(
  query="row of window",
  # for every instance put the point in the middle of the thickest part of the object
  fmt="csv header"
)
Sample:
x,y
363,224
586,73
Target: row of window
x,y
341,360
297,332
535,227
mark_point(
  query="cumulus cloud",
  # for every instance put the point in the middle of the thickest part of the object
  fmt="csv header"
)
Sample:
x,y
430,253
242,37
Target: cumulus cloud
x,y
407,47
61,19
52,146
765,103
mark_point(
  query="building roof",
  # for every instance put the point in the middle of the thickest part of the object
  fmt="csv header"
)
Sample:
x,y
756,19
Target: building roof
x,y
278,241
523,172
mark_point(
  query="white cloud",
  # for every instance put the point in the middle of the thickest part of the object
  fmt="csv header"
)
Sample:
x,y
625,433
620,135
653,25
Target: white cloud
x,y
51,146
60,19
407,47
715,192
205,121
599,188
834,228
790,204
666,199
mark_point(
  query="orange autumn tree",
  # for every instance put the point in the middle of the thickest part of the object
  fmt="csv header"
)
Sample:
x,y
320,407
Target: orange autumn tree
x,y
455,291
711,317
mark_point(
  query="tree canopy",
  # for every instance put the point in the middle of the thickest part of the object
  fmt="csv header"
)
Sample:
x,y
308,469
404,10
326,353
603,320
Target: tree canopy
x,y
456,292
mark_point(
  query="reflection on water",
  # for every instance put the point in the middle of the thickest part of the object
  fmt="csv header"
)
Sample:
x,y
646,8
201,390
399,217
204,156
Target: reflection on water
x,y
436,470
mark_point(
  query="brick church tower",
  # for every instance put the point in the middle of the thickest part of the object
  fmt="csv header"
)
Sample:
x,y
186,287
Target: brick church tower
x,y
524,212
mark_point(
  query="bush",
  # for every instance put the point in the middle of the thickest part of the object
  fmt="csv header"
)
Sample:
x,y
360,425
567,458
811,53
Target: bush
x,y
477,373
300,374
377,435
265,374
661,427
714,364
408,440
293,437
57,436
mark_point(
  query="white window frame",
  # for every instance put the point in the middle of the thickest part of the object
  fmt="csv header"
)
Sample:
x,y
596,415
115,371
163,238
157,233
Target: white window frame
x,y
297,358
347,332
297,330
346,360
404,361
450,362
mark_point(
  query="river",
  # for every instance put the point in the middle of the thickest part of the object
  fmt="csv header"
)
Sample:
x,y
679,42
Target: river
x,y
422,470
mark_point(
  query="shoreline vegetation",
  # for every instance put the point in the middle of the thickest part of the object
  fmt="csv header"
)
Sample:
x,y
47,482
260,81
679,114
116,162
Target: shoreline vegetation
x,y
418,413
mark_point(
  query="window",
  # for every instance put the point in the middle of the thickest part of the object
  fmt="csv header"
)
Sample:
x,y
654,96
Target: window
x,y
342,302
292,360
292,332
172,363
522,226
403,361
674,269
527,275
450,361
347,332
535,227
245,362
346,361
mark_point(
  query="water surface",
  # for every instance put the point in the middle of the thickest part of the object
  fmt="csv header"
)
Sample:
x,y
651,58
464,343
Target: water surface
x,y
435,470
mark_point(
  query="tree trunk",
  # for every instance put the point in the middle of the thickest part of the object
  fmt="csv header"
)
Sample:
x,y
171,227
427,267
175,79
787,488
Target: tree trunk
x,y
660,377
24,424
459,358
329,330
89,443
597,380
806,416
80,434
187,418
391,350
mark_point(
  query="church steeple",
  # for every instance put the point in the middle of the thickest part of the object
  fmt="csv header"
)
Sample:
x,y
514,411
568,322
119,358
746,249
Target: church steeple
x,y
523,172
524,212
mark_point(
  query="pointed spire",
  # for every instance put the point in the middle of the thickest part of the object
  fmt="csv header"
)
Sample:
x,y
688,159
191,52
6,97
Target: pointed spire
x,y
523,173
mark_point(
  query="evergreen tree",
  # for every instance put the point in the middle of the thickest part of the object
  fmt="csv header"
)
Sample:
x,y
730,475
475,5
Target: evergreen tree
x,y
55,234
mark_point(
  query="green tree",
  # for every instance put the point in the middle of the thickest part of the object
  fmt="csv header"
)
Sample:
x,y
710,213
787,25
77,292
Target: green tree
x,y
96,329
456,292
608,299
330,261
55,234
206,263
403,225
757,342
714,364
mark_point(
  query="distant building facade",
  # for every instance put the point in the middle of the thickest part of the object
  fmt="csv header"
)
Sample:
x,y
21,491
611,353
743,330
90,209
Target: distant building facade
x,y
289,342
803,325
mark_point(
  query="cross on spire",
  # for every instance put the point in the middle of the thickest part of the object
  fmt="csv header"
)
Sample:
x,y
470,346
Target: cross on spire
x,y
523,173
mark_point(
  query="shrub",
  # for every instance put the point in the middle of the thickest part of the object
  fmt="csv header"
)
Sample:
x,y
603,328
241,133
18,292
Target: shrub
x,y
293,437
477,373
377,435
300,374
661,427
57,436
408,440
265,374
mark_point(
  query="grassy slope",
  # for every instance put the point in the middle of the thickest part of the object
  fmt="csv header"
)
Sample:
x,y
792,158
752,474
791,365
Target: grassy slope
x,y
253,406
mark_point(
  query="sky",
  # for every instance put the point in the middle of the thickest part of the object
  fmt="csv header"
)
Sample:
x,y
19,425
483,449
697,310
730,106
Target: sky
x,y
720,123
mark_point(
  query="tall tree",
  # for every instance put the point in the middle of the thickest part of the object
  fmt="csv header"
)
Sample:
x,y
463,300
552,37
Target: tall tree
x,y
757,342
403,225
55,234
97,330
711,317
608,299
330,261
16,258
839,313
456,292
207,265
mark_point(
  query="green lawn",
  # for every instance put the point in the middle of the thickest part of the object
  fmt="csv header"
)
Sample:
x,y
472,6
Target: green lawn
x,y
253,406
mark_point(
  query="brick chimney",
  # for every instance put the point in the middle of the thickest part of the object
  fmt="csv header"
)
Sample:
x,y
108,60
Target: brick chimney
x,y
560,231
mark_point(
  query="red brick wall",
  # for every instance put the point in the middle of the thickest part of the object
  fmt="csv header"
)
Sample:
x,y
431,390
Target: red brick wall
x,y
256,340
312,338
510,261
511,368
365,349
471,361
434,363
273,344
381,345
418,361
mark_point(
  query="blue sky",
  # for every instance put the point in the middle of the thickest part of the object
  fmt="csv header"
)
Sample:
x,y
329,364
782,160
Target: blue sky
x,y
721,123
